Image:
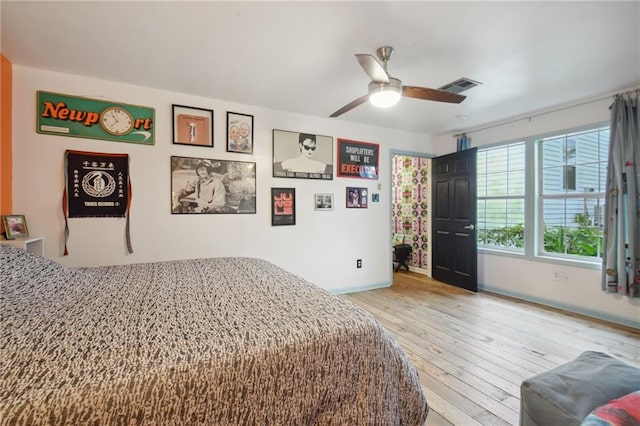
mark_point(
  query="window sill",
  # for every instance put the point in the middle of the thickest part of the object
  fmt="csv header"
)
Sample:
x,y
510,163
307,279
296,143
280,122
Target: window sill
x,y
577,263
501,251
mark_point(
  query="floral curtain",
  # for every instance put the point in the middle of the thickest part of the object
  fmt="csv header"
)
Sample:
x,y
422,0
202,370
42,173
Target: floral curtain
x,y
621,254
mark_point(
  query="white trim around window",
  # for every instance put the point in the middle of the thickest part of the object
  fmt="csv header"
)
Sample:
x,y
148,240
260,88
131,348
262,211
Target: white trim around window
x,y
591,199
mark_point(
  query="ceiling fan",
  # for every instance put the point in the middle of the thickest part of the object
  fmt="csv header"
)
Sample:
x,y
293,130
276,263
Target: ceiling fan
x,y
385,91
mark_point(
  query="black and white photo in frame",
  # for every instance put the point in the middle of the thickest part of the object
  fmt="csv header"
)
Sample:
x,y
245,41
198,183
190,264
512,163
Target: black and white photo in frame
x,y
323,201
208,186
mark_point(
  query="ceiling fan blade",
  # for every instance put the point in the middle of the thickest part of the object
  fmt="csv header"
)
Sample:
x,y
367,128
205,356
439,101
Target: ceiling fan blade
x,y
374,70
350,106
431,94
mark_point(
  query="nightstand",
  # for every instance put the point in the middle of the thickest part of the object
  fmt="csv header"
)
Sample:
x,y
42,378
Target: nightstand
x,y
33,245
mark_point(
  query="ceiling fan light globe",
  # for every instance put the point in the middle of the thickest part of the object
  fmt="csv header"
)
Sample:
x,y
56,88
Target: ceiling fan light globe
x,y
384,98
385,95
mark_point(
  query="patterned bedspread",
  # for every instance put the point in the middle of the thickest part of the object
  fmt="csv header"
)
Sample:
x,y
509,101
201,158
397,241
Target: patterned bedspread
x,y
221,341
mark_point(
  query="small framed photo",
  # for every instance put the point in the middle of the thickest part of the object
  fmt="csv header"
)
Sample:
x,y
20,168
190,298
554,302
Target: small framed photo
x,y
357,197
283,206
192,126
323,201
239,133
15,226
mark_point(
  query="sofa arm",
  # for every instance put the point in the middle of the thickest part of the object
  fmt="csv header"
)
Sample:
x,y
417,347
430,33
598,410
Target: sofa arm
x,y
566,394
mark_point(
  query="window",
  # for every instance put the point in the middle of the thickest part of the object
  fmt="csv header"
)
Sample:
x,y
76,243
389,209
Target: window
x,y
544,196
573,170
501,196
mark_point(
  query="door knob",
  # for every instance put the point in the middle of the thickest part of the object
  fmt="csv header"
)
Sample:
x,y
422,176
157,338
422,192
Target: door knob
x,y
471,227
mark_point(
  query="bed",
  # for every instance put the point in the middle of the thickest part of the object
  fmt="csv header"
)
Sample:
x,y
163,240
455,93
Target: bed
x,y
220,341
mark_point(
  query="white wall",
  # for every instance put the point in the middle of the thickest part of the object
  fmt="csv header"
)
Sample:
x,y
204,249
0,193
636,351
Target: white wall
x,y
578,290
322,247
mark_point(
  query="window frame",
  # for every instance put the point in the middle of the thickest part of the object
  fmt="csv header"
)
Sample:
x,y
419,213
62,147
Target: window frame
x,y
567,195
511,250
533,214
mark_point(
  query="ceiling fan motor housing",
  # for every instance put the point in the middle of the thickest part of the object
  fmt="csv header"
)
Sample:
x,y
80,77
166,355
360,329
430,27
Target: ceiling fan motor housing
x,y
384,95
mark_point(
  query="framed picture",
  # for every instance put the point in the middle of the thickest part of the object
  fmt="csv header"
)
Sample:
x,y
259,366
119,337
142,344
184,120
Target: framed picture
x,y
208,186
239,133
323,201
302,155
15,226
358,159
357,198
75,116
192,126
283,206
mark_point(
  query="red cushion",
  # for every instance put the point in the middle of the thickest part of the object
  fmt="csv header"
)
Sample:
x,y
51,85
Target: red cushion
x,y
624,411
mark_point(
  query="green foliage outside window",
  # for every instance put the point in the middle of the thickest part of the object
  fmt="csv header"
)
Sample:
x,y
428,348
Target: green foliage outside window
x,y
508,236
583,240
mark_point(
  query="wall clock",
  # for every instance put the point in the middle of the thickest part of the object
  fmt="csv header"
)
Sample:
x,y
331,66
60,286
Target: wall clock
x,y
116,121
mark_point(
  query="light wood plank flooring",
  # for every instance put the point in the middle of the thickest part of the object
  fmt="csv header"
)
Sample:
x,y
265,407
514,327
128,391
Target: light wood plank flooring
x,y
472,350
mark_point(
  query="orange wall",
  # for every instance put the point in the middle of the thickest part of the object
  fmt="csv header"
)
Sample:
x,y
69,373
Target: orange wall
x,y
6,166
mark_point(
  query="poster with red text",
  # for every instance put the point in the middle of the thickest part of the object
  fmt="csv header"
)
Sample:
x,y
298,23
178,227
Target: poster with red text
x,y
358,159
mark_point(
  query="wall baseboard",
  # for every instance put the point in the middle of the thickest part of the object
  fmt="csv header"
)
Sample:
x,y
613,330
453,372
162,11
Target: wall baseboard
x,y
344,290
564,306
418,270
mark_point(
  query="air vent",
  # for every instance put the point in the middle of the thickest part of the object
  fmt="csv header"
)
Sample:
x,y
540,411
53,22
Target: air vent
x,y
460,85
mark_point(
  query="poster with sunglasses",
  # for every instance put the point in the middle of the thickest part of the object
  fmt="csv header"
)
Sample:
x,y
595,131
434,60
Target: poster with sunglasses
x,y
302,155
283,206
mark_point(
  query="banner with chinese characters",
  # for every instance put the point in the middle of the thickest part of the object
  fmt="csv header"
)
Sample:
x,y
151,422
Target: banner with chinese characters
x,y
66,115
358,159
97,185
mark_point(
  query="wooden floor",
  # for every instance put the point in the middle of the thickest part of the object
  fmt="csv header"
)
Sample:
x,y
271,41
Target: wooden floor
x,y
472,350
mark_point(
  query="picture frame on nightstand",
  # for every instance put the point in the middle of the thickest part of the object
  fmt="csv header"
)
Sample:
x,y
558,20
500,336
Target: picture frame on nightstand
x,y
15,226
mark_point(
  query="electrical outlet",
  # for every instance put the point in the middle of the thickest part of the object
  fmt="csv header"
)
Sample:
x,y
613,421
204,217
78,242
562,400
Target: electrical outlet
x,y
560,276
359,263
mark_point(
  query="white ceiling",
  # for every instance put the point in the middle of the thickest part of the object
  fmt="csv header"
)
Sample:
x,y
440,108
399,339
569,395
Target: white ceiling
x,y
299,56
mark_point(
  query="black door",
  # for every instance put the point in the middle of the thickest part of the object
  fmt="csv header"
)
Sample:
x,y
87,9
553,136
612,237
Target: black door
x,y
455,254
